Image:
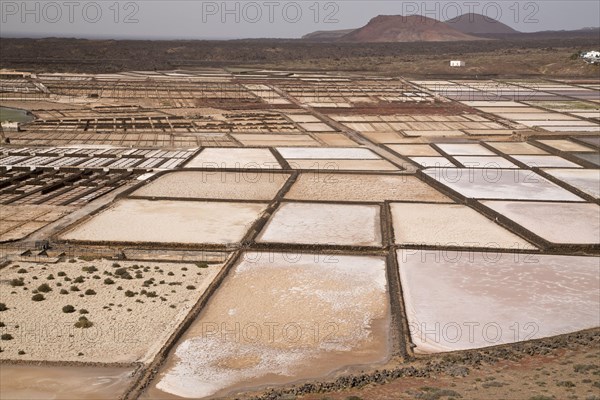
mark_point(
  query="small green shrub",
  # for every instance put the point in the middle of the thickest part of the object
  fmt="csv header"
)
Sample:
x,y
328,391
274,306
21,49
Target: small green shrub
x,y
83,323
17,282
3,307
79,279
62,273
64,291
90,292
21,271
109,281
38,297
83,311
190,287
129,293
68,309
6,336
74,288
44,288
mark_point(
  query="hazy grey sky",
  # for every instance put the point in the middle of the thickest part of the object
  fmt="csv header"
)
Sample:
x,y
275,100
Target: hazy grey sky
x,y
195,19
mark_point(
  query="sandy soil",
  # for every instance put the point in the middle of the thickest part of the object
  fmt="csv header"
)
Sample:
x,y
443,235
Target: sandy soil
x,y
125,329
551,370
20,221
366,188
514,184
236,185
450,225
326,224
495,297
62,383
325,313
564,223
234,158
168,221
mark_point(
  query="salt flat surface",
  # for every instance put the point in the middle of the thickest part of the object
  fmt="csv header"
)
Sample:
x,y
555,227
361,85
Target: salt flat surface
x,y
450,225
335,139
236,185
278,139
594,158
471,300
586,180
347,153
546,161
414,149
516,148
234,158
515,184
435,162
27,382
591,140
166,221
326,224
484,162
565,223
565,145
297,317
333,165
362,188
465,149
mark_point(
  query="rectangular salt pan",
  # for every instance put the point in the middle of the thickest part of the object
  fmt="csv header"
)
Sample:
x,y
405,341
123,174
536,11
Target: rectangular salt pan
x,y
324,224
449,225
300,316
166,221
468,300
561,223
513,184
327,153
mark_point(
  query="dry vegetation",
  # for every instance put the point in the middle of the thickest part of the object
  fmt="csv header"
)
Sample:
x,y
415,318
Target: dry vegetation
x,y
529,55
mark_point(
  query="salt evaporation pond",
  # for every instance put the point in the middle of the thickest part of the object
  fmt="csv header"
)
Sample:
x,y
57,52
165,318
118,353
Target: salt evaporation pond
x,y
297,317
166,221
513,184
468,300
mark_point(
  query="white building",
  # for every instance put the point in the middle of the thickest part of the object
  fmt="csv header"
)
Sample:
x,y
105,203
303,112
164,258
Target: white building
x,y
457,63
9,126
592,57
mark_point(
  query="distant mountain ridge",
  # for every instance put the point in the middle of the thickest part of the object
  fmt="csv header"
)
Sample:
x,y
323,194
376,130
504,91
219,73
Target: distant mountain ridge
x,y
327,35
477,24
412,28
398,28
